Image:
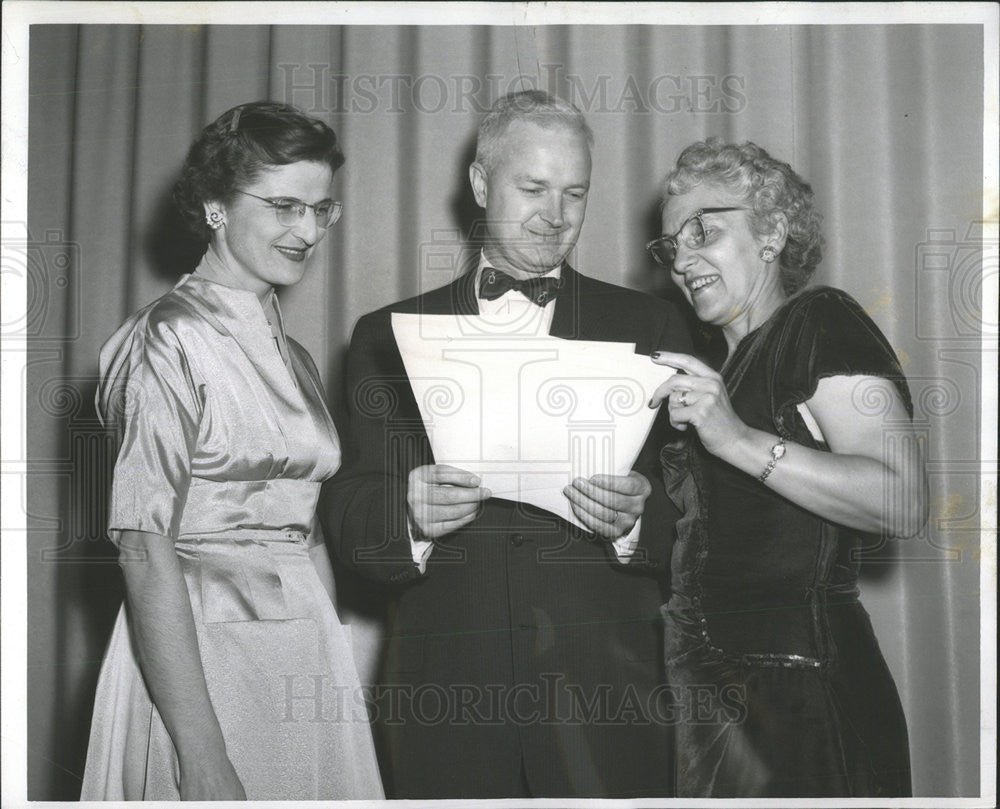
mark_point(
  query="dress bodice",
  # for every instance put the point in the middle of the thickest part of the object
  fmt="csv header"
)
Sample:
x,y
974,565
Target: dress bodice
x,y
217,432
754,570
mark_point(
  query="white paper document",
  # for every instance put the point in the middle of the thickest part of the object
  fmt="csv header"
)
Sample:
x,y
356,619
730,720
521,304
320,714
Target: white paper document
x,y
527,413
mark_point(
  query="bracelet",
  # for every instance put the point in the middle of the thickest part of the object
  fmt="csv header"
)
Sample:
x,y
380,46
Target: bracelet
x,y
777,453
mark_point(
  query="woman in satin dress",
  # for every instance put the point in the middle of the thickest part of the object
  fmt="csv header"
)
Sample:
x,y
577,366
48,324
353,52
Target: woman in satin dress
x,y
801,444
228,674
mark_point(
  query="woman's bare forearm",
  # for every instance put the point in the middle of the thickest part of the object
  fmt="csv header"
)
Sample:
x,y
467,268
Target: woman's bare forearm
x,y
166,645
853,490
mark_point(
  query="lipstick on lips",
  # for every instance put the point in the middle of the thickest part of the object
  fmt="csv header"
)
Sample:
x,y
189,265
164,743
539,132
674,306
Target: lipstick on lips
x,y
292,253
700,282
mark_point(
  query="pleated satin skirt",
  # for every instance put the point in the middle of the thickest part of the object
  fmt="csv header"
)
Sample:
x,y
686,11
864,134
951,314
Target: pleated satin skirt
x,y
280,674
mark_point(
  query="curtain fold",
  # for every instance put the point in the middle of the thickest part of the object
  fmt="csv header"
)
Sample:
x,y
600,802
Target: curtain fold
x,y
885,122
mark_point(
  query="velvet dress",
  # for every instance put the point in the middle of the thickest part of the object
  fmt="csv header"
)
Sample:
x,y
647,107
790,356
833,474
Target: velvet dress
x,y
224,442
781,688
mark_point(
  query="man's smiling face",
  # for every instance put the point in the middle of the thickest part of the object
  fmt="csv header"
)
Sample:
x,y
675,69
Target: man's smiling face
x,y
535,197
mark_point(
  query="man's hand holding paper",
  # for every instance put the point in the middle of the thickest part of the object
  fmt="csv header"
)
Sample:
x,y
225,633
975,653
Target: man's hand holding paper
x,y
609,505
442,499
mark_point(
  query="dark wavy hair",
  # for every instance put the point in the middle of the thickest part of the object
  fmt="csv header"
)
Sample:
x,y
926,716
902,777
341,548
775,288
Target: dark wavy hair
x,y
769,187
232,150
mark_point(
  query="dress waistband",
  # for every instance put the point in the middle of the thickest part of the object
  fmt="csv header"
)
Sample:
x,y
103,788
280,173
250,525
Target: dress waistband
x,y
254,534
793,633
221,507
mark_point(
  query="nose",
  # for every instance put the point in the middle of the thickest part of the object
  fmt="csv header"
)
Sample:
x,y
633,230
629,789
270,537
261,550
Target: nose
x,y
684,259
308,229
553,213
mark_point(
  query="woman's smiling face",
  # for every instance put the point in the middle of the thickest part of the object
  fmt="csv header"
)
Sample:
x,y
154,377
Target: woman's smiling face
x,y
723,278
260,251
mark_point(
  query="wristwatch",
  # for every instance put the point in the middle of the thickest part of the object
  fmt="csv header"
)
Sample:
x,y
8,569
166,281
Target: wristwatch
x,y
777,453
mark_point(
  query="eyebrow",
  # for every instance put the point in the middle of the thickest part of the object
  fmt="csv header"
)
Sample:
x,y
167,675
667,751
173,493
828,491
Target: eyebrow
x,y
677,231
527,178
298,199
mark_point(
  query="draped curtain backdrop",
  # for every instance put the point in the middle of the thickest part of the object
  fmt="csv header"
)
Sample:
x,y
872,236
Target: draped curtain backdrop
x,y
884,121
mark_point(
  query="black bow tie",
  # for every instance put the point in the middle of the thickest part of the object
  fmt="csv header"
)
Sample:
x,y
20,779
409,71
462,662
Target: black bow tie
x,y
494,283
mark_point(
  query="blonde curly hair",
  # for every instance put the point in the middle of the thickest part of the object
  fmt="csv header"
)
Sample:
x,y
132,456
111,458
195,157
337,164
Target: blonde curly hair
x,y
769,187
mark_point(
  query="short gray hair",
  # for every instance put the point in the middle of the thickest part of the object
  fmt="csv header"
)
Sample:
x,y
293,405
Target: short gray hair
x,y
536,106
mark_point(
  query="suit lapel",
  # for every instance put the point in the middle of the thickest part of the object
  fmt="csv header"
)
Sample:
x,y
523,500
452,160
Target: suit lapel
x,y
571,320
586,310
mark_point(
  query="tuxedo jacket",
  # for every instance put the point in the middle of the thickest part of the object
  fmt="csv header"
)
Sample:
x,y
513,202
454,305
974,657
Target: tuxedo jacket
x,y
526,660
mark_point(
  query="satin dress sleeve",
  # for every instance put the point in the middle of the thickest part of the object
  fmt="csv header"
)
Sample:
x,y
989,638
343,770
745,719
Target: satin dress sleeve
x,y
149,396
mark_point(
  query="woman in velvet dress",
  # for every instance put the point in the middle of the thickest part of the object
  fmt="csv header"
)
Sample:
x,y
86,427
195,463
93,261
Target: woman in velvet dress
x,y
799,445
228,630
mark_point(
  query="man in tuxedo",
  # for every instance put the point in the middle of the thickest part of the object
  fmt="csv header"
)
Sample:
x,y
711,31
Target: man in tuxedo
x,y
524,654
